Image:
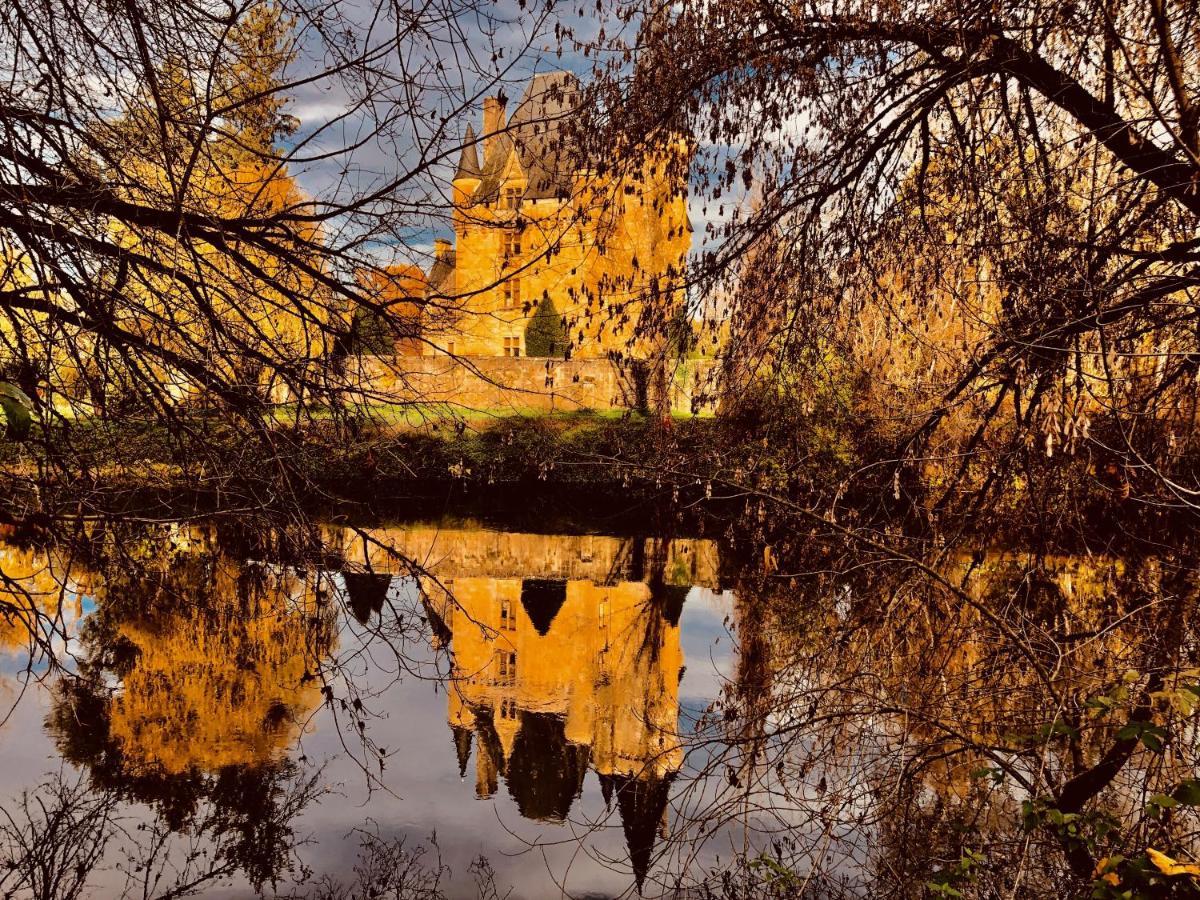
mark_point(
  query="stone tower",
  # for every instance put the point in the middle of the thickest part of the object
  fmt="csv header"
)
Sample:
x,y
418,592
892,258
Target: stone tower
x,y
535,222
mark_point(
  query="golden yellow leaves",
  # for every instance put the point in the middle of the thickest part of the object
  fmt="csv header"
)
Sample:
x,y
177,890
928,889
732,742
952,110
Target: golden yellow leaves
x,y
1106,870
1169,866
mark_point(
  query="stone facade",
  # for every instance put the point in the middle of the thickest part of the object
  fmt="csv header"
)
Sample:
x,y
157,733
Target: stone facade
x,y
533,220
523,384
473,552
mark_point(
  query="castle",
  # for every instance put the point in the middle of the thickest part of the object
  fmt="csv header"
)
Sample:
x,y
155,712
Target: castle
x,y
549,243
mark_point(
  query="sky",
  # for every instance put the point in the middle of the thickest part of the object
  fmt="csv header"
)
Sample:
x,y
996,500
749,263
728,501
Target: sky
x,y
398,126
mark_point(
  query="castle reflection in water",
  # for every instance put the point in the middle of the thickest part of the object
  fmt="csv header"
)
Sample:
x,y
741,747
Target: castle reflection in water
x,y
566,656
198,663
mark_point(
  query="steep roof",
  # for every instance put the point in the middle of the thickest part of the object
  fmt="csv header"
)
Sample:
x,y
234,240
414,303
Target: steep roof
x,y
468,160
441,274
539,133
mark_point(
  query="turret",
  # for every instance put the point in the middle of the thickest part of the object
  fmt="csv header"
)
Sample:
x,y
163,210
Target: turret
x,y
462,747
468,175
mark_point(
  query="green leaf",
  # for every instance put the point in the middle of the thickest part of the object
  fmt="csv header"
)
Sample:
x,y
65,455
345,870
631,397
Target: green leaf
x,y
17,410
1055,728
1188,792
995,774
942,890
1159,802
1153,737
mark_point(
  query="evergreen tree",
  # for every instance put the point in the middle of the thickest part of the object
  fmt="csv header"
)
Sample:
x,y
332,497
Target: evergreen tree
x,y
681,336
545,335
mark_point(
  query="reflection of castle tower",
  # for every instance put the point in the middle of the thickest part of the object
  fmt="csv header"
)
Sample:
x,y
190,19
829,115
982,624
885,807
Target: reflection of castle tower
x,y
554,675
542,666
566,655
642,804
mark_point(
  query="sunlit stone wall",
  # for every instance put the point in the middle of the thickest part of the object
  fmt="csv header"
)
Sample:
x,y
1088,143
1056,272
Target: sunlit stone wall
x,y
523,383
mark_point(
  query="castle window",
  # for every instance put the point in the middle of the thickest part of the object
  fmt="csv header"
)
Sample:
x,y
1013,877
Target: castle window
x,y
512,198
508,708
512,346
512,293
506,666
508,621
512,244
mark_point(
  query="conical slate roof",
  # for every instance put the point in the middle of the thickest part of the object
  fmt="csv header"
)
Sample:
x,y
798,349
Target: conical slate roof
x,y
468,160
442,276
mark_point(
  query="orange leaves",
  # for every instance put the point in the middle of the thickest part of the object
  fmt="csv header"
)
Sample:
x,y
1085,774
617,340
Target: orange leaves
x,y
1169,866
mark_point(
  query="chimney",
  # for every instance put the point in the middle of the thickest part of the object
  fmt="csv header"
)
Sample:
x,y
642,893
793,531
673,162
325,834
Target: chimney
x,y
493,121
441,248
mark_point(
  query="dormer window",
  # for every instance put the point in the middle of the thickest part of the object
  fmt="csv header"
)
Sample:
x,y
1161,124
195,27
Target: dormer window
x,y
511,198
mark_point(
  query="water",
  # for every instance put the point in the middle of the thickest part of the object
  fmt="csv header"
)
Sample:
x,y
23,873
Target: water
x,y
202,688
448,709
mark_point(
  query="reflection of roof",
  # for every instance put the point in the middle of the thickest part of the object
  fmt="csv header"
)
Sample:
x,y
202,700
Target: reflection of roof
x,y
542,598
366,593
545,770
462,747
642,803
538,134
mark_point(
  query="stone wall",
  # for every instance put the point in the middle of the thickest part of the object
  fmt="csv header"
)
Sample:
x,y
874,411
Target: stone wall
x,y
522,384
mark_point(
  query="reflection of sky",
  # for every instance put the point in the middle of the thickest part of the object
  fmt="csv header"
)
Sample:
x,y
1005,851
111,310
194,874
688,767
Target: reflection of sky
x,y
15,662
707,651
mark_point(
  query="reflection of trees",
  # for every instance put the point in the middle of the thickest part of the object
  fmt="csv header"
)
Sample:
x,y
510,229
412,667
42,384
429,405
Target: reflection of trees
x,y
53,839
39,594
56,839
882,729
219,682
214,663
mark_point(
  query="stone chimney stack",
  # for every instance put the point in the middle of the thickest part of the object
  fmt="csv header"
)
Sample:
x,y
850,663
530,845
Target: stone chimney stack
x,y
441,248
493,120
